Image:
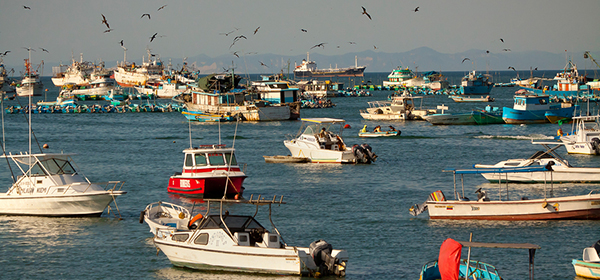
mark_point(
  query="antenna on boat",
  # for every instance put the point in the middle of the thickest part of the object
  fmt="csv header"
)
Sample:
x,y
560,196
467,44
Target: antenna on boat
x,y
190,132
230,157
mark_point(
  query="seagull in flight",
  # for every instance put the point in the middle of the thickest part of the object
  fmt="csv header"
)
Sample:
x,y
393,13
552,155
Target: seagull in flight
x,y
352,43
416,9
365,12
4,54
145,15
45,50
108,30
161,7
256,30
303,30
502,40
122,46
105,22
236,55
29,49
374,47
261,63
513,68
322,45
237,38
466,58
26,8
506,50
153,37
227,34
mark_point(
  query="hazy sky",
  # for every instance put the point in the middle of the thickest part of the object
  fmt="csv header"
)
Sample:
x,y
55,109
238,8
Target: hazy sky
x,y
189,28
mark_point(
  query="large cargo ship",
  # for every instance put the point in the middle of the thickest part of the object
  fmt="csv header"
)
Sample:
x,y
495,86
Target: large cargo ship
x,y
309,69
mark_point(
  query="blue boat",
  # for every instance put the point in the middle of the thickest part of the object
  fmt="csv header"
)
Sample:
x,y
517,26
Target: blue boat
x,y
534,109
569,84
475,84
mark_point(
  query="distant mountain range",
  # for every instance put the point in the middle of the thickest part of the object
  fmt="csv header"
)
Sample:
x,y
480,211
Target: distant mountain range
x,y
424,59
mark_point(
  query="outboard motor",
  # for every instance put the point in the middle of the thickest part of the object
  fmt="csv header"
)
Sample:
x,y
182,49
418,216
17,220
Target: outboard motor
x,y
320,251
359,153
369,153
596,145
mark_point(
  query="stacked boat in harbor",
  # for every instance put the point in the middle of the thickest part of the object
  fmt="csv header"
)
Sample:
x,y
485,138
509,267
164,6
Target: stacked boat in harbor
x,y
30,84
404,77
130,74
475,84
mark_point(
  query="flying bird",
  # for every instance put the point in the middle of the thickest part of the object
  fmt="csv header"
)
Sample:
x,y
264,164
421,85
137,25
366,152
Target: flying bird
x,y
108,30
237,38
236,55
45,50
416,9
352,43
4,54
513,68
256,30
304,30
161,7
487,51
502,40
466,58
374,47
105,22
261,63
322,45
29,49
121,43
535,69
227,34
153,37
26,8
506,50
145,15
365,12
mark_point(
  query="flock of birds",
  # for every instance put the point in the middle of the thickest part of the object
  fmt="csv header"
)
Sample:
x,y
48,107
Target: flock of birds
x,y
239,37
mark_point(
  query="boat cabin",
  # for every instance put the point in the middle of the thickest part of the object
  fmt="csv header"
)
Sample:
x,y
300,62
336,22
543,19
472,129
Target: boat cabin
x,y
246,230
325,132
532,102
208,157
277,92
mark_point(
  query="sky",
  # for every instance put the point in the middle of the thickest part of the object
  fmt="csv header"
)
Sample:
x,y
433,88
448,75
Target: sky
x,y
189,28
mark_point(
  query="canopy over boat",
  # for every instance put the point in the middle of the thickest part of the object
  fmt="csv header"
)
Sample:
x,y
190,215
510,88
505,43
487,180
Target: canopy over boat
x,y
322,120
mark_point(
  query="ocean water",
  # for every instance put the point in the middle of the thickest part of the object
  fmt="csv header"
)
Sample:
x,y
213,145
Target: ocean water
x,y
360,208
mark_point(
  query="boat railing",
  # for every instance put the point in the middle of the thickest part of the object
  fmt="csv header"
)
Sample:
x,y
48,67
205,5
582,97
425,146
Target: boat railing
x,y
594,190
116,186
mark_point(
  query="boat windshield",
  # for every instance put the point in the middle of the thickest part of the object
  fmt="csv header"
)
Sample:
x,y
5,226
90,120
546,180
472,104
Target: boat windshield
x,y
230,158
54,166
316,128
234,223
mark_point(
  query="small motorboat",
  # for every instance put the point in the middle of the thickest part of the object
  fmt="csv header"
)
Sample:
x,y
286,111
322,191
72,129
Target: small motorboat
x,y
285,159
378,132
239,243
209,171
589,265
584,137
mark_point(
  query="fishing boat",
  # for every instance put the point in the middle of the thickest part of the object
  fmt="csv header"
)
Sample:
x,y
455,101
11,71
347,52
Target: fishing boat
x,y
584,137
449,263
501,207
100,84
320,140
308,69
227,242
165,87
165,215
209,171
475,84
30,84
217,97
320,89
489,115
130,74
450,118
534,108
402,107
78,73
568,84
464,98
404,77
562,171
589,265
5,83
279,91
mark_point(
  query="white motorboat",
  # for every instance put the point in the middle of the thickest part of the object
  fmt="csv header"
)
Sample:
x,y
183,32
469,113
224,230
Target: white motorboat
x,y
562,171
589,265
165,215
401,107
162,88
320,140
584,137
51,186
578,207
78,73
227,242
130,74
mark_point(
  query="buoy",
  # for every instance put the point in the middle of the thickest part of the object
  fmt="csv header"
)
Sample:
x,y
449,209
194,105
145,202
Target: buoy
x,y
237,196
46,146
347,126
173,141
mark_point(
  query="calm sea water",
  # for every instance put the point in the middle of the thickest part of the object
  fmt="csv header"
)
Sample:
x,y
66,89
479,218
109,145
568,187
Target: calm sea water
x,y
360,208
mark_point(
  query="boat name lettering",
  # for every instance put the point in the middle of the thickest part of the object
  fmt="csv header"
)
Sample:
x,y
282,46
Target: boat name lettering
x,y
474,208
440,206
185,184
41,190
595,202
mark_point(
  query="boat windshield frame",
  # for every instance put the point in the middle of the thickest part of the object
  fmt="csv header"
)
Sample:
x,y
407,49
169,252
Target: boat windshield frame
x,y
316,124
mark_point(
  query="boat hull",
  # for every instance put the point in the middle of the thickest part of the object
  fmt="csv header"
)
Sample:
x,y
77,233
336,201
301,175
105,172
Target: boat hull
x,y
476,90
378,134
91,204
586,269
483,117
582,207
512,116
559,175
450,119
206,187
346,72
317,155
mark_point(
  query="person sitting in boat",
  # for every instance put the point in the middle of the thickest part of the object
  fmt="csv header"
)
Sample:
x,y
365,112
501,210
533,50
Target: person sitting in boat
x,y
377,129
364,129
323,133
392,128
